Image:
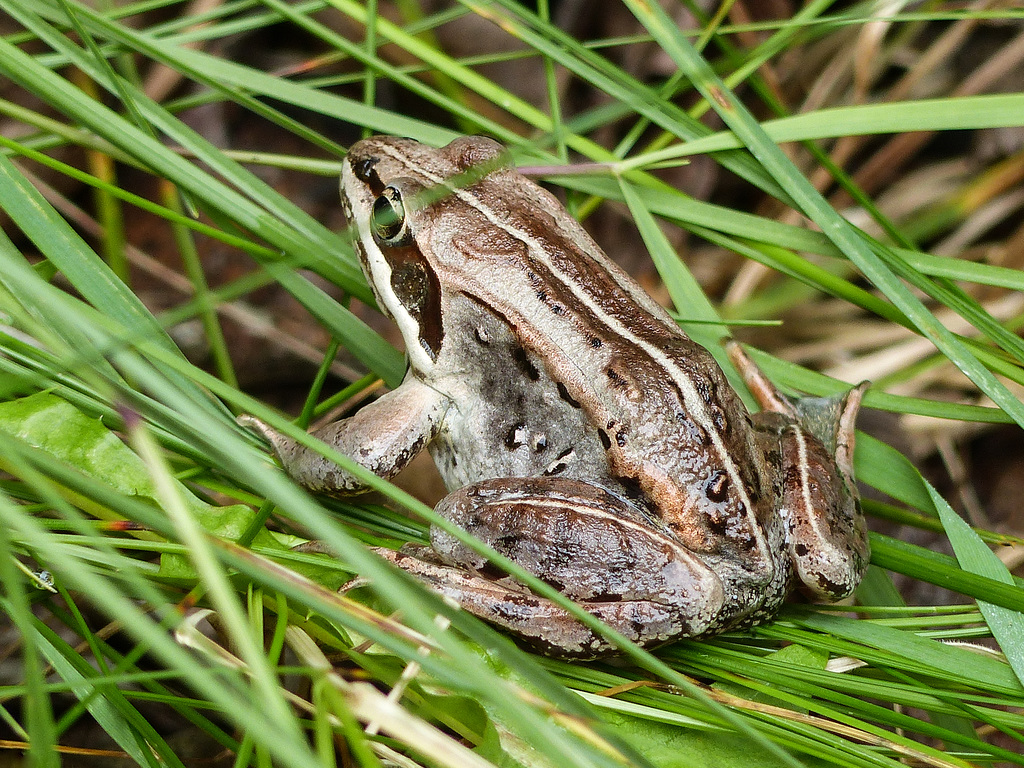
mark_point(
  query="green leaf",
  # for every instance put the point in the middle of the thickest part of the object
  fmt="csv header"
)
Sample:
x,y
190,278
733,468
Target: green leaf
x,y
668,746
53,425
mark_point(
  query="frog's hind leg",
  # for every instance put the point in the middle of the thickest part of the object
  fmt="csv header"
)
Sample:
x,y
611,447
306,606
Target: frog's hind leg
x,y
587,543
539,622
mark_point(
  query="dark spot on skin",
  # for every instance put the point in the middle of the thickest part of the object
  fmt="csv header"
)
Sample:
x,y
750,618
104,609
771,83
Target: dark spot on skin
x,y
718,418
830,587
558,309
638,628
555,584
753,480
564,453
717,525
559,467
605,440
482,337
605,597
542,295
365,172
717,487
512,440
564,394
540,445
491,571
631,487
556,559
508,544
404,456
519,355
801,550
706,388
702,435
620,438
615,378
596,343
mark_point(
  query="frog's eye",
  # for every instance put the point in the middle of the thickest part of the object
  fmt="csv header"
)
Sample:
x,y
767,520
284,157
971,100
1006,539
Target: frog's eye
x,y
388,219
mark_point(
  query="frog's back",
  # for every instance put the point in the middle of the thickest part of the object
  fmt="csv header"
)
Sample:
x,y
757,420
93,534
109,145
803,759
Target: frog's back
x,y
669,427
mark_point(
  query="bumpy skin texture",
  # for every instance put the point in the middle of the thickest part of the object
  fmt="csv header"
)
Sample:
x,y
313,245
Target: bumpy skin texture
x,y
581,432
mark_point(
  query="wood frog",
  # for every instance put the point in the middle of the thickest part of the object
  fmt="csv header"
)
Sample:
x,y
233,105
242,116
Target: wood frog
x,y
579,431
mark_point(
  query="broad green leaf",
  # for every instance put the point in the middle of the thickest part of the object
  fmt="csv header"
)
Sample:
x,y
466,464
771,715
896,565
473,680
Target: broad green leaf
x,y
669,746
57,427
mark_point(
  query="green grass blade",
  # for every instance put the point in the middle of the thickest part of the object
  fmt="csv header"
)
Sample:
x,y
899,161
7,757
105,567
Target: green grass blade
x,y
1001,110
974,556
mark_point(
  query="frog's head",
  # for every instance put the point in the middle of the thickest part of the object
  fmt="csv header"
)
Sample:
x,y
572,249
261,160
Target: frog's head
x,y
411,210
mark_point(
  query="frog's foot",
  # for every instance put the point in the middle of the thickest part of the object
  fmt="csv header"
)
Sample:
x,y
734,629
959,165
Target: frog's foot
x,y
829,419
827,535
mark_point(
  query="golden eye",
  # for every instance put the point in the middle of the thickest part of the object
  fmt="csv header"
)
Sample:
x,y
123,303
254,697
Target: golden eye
x,y
388,217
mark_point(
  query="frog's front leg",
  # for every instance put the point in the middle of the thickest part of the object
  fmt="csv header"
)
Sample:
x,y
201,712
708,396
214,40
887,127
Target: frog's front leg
x,y
589,544
827,534
382,437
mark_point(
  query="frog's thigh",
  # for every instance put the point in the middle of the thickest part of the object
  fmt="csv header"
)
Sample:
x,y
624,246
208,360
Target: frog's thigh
x,y
828,537
593,546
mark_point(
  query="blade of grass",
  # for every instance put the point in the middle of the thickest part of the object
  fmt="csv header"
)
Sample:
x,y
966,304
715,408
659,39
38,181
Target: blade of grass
x,y
36,704
382,358
948,114
105,703
912,651
215,581
974,556
943,571
593,68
